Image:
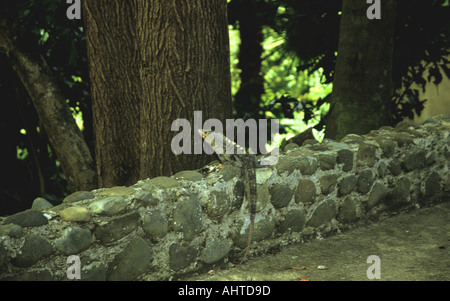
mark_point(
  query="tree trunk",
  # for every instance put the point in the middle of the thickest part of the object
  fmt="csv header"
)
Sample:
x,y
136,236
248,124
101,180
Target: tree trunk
x,y
248,98
152,62
54,115
362,87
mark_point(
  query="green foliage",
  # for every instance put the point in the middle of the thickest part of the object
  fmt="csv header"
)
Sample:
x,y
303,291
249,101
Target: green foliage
x,y
291,94
422,32
422,41
301,41
235,41
41,29
312,31
300,46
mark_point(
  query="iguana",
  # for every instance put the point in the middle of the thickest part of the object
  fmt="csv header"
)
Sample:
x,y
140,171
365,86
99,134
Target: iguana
x,y
220,144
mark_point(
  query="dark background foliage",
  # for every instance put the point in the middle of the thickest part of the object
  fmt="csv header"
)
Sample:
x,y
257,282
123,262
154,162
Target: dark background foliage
x,y
311,32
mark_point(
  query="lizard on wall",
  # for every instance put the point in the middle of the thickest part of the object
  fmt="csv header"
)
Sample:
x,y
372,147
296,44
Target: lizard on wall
x,y
220,144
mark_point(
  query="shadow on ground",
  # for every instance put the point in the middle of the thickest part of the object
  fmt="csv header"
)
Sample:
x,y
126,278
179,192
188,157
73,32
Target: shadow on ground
x,y
410,246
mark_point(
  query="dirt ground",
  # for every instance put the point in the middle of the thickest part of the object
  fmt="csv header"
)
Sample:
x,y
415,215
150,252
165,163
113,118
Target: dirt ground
x,y
410,246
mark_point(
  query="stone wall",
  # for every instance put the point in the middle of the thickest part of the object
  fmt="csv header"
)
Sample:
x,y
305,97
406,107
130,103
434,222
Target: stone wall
x,y
164,227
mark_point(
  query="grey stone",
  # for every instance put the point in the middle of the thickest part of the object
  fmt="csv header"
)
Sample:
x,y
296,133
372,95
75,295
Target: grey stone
x,y
365,181
414,159
399,194
149,187
290,146
446,152
155,224
187,217
34,249
430,158
405,124
146,198
347,210
326,161
75,214
447,184
95,271
345,157
322,213
131,262
307,165
432,185
109,206
402,139
336,145
378,194
431,129
188,175
294,221
281,195
27,218
218,205
215,250
366,154
387,146
58,208
229,172
395,167
3,258
382,169
263,228
319,147
12,230
78,196
358,142
38,275
180,256
305,192
118,191
327,183
74,241
413,132
285,166
41,204
164,182
117,228
263,197
309,142
347,185
430,121
352,137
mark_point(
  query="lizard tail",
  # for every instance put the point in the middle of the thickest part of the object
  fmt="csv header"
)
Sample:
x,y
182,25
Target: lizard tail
x,y
249,241
251,193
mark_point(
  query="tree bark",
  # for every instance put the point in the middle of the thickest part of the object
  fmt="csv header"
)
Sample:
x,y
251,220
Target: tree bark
x,y
152,62
54,115
362,87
